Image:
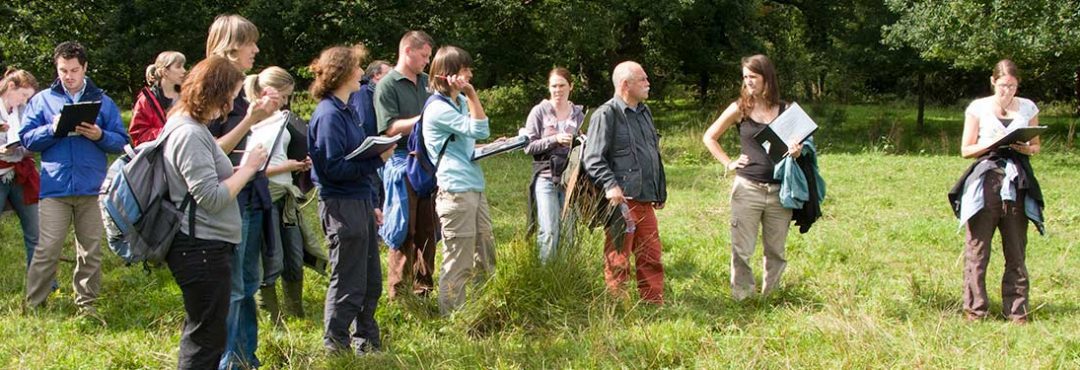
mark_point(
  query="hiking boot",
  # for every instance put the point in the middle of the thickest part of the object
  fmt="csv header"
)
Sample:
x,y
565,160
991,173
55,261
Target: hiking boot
x,y
294,297
364,347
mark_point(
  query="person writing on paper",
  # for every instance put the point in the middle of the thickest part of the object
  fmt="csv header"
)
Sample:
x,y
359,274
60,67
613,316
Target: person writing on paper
x,y
288,157
73,168
19,180
999,191
551,128
755,193
622,156
469,245
202,262
163,79
235,38
346,203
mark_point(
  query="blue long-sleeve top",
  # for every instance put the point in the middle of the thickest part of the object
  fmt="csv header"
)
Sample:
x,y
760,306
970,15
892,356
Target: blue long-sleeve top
x,y
71,165
335,131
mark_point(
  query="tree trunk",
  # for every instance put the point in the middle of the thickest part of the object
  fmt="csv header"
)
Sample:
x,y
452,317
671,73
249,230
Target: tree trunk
x,y
821,86
703,87
921,86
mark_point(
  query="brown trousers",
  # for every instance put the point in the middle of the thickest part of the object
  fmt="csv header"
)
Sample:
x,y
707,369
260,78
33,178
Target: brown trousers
x,y
1009,218
644,243
411,266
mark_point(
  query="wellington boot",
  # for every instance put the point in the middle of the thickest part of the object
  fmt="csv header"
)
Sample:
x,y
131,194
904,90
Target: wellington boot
x,y
294,297
267,300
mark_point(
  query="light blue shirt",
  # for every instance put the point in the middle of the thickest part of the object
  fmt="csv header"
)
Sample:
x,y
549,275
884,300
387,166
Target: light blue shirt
x,y
457,173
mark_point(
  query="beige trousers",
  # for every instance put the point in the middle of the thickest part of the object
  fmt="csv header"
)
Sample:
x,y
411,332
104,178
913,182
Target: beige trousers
x,y
56,216
755,204
468,245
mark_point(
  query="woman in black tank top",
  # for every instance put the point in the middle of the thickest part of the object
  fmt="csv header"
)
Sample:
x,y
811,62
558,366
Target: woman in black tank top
x,y
755,196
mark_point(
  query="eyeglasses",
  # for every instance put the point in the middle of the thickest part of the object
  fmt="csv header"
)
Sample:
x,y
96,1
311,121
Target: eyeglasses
x,y
1006,86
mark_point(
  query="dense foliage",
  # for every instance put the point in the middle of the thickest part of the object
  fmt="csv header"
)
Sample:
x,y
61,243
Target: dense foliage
x,y
836,50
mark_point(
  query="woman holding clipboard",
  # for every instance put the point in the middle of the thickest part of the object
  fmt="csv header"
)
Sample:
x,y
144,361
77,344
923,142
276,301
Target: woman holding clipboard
x,y
755,194
999,191
19,178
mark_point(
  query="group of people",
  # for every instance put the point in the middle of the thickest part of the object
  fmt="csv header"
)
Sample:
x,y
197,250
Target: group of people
x,y
232,146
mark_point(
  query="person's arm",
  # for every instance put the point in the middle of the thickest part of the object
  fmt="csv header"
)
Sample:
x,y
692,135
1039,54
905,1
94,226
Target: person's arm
x,y
113,135
969,147
144,123
1034,146
534,128
601,133
36,133
472,125
712,136
194,159
331,148
258,111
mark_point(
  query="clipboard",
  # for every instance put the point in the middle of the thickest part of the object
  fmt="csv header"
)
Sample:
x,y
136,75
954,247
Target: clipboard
x,y
74,114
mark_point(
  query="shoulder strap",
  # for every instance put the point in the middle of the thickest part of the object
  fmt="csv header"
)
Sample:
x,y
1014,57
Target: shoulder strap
x,y
453,137
158,110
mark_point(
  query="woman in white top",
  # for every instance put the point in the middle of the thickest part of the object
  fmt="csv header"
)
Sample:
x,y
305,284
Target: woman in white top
x,y
278,132
999,192
18,174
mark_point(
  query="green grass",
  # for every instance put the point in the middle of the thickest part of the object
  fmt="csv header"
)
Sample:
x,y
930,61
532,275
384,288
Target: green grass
x,y
875,283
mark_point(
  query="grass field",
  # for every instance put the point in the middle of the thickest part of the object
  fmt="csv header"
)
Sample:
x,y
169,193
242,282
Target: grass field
x,y
875,283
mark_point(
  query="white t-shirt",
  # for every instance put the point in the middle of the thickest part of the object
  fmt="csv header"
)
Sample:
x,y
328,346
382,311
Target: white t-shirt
x,y
14,122
990,126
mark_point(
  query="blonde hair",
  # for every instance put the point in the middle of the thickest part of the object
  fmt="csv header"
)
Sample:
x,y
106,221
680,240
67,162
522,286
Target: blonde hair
x,y
275,77
20,77
333,66
166,59
229,33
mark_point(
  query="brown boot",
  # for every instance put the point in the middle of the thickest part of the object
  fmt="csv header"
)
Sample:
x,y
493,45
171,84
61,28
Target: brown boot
x,y
294,297
267,300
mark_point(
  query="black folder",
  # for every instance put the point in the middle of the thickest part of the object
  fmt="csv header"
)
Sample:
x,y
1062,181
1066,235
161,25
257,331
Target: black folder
x,y
74,114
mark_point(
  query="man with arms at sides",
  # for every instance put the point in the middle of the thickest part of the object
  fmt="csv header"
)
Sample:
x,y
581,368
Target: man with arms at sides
x,y
622,155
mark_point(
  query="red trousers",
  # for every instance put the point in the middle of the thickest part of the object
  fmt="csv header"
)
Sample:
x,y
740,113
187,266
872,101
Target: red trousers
x,y
644,243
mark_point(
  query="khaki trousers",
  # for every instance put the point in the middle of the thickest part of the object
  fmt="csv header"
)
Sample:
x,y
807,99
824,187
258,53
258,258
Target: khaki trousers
x,y
755,204
56,215
468,245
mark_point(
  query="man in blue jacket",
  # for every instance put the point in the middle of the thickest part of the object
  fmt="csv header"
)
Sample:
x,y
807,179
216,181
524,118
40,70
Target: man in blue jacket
x,y
72,169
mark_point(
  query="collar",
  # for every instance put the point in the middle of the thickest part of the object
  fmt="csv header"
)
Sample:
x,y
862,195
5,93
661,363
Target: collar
x,y
340,105
421,79
89,91
622,105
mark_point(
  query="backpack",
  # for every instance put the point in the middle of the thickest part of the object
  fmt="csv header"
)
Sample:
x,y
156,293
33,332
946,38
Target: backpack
x,y
140,219
419,169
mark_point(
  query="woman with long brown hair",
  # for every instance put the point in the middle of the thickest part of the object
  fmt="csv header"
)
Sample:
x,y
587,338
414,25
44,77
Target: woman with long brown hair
x,y
202,254
755,193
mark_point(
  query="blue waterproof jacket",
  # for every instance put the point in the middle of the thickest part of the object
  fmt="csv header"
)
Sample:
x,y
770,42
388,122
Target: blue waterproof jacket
x,y
72,165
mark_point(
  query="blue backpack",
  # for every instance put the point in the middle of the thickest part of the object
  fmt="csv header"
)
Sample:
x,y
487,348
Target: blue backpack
x,y
140,219
419,169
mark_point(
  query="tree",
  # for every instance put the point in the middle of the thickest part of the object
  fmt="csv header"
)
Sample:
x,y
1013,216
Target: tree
x,y
1042,35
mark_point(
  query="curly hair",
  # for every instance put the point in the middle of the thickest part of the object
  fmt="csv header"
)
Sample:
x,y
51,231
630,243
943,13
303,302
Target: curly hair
x,y
333,67
209,89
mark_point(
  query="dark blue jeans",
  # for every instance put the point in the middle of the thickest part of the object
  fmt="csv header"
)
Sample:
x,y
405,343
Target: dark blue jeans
x,y
199,267
355,276
28,215
243,328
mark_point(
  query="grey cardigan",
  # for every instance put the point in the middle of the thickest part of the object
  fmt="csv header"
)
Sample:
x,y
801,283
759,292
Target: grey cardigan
x,y
196,164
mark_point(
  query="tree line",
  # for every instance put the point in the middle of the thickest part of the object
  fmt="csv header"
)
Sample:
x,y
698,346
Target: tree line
x,y
833,50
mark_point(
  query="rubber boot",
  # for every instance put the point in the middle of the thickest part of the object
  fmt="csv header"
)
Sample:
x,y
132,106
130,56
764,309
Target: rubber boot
x,y
294,297
268,301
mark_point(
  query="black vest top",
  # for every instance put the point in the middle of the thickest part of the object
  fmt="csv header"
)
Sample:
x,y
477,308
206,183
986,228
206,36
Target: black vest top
x,y
760,168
